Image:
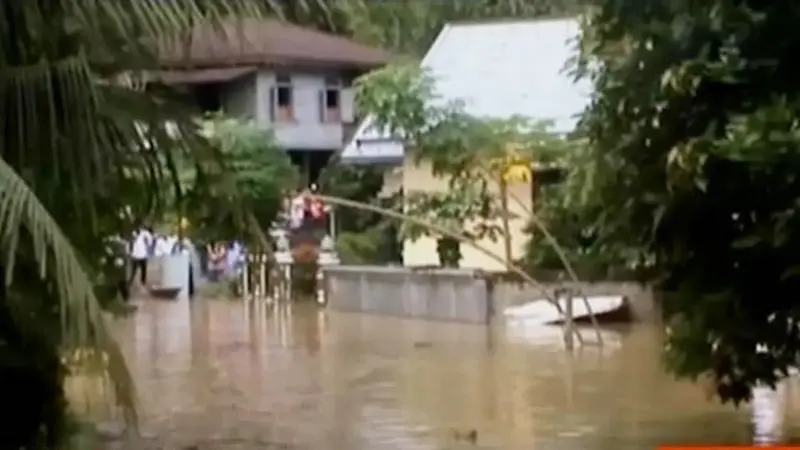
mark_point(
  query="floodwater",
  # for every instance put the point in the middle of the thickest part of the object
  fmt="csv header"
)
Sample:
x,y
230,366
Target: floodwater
x,y
226,375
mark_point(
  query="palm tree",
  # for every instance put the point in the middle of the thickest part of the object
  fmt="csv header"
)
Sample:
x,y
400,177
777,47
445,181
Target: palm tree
x,y
74,158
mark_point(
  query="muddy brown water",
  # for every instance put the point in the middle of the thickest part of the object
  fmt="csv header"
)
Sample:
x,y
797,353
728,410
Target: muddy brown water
x,y
225,375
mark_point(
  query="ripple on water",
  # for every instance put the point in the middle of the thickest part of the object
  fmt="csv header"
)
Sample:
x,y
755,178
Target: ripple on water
x,y
225,375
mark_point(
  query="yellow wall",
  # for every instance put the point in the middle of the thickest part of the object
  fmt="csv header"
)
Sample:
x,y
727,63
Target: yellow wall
x,y
422,252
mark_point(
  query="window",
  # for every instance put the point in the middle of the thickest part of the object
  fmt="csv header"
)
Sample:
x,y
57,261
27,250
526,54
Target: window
x,y
281,100
284,96
330,100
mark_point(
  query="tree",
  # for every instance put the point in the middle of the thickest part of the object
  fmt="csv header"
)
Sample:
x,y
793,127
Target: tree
x,y
478,158
362,237
261,174
462,208
410,26
398,99
694,130
567,205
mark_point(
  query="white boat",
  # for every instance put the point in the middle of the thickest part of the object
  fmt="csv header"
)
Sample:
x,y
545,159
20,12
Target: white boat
x,y
542,312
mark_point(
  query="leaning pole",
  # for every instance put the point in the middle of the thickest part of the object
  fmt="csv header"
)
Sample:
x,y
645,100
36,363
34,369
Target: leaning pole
x,y
463,238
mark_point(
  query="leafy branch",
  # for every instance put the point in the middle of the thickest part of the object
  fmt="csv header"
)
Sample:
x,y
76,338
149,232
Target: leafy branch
x,y
479,158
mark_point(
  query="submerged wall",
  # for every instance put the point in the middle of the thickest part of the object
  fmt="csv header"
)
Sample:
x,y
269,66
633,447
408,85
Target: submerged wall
x,y
454,295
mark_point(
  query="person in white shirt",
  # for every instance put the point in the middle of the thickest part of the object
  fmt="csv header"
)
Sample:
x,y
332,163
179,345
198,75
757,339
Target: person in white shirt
x,y
140,250
162,247
297,211
170,244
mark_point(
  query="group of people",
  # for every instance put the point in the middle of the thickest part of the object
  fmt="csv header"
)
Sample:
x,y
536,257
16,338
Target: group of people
x,y
224,260
219,260
302,210
145,244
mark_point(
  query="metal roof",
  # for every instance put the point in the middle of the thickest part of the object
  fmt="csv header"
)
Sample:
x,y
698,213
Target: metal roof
x,y
497,70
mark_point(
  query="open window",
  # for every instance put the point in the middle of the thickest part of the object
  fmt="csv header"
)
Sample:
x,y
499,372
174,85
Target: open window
x,y
331,100
282,99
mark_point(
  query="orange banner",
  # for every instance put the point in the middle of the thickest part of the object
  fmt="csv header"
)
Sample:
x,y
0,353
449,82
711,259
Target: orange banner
x,y
729,447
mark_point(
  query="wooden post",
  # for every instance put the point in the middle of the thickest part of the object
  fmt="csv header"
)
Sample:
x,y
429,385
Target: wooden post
x,y
287,280
262,276
275,283
569,323
332,223
246,277
321,286
506,227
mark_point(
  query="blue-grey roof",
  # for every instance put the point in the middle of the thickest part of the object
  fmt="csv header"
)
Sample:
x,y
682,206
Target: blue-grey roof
x,y
498,70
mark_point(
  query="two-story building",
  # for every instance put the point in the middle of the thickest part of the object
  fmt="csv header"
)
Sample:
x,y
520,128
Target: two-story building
x,y
292,80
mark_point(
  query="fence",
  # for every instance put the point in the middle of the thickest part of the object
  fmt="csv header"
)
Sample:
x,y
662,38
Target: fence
x,y
260,280
453,295
264,279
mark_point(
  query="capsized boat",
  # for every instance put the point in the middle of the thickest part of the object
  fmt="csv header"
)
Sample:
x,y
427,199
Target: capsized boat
x,y
520,332
606,308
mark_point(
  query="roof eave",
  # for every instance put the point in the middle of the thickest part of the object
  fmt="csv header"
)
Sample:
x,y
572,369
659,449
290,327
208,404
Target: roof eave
x,y
262,60
370,160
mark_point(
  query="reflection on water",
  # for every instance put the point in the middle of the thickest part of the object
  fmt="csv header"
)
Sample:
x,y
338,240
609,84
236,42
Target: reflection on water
x,y
222,375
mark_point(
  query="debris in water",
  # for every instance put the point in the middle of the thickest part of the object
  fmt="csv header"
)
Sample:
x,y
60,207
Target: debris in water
x,y
470,436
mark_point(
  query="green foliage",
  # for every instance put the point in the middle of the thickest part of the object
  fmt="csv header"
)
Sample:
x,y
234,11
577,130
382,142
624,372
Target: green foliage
x,y
465,207
360,247
410,26
472,155
567,205
84,156
449,251
694,128
360,183
363,237
401,101
252,172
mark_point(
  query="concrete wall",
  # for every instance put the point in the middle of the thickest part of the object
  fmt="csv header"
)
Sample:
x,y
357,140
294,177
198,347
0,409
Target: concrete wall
x,y
443,294
456,295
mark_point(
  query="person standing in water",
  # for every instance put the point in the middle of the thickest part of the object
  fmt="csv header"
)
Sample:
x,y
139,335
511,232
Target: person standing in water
x,y
141,246
217,261
297,210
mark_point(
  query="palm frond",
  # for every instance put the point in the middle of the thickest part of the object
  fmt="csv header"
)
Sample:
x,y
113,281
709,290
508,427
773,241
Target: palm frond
x,y
83,322
73,155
